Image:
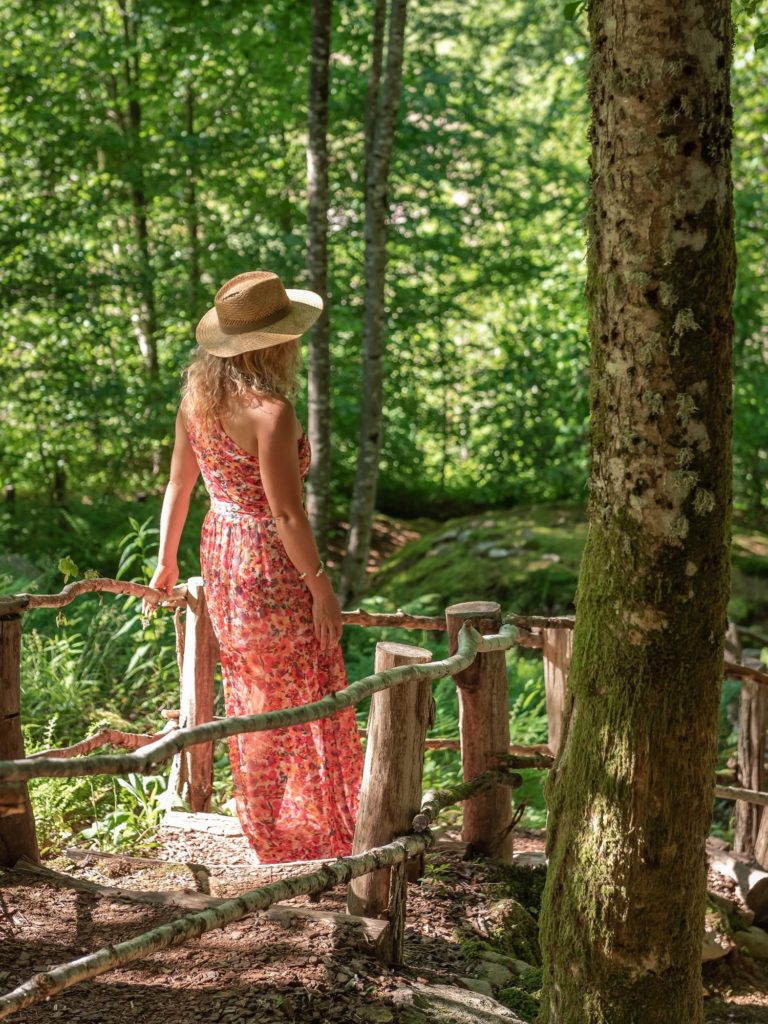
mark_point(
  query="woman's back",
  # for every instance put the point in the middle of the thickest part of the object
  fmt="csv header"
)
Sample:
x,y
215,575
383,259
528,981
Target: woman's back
x,y
231,473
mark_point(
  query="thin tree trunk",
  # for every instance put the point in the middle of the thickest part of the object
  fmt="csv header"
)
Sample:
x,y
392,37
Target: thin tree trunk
x,y
192,214
630,796
382,105
319,383
146,327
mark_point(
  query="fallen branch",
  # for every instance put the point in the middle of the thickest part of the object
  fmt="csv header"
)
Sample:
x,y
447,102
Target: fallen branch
x,y
343,869
185,900
470,642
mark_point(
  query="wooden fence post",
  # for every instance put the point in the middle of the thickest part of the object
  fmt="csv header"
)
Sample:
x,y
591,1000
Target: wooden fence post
x,y
17,830
556,650
484,729
391,789
192,769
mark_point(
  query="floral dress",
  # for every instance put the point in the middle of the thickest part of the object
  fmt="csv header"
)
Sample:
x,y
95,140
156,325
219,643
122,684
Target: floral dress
x,y
296,788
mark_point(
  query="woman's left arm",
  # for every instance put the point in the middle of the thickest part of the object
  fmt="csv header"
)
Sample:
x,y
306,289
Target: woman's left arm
x,y
183,475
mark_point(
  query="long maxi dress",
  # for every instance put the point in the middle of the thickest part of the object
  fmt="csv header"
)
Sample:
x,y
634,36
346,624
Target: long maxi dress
x,y
296,789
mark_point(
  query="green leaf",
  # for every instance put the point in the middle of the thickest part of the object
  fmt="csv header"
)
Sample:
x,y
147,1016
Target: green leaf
x,y
571,11
68,567
761,40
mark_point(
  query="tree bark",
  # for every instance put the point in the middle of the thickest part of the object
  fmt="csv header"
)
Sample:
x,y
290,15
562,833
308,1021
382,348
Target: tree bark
x,y
192,213
319,378
382,105
630,795
146,328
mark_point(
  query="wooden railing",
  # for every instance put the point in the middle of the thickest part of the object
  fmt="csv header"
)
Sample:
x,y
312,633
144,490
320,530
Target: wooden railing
x,y
392,829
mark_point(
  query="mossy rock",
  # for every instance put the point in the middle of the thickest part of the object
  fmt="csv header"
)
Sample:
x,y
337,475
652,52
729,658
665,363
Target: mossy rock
x,y
523,1003
513,931
524,884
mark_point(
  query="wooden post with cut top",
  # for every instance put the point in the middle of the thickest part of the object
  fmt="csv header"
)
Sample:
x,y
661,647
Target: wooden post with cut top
x,y
391,789
484,730
17,822
192,768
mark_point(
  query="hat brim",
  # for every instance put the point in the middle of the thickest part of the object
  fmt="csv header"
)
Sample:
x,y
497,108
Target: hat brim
x,y
305,309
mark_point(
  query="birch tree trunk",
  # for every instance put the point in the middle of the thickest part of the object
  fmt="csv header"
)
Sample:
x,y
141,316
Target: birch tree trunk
x,y
191,211
319,383
146,326
630,795
382,105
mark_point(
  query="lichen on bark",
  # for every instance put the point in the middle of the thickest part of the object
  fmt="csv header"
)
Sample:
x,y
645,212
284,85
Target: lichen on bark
x,y
630,796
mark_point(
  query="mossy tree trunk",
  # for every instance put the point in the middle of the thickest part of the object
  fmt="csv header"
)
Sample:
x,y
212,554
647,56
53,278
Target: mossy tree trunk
x,y
630,796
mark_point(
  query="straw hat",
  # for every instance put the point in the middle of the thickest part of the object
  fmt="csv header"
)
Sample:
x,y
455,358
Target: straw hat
x,y
254,310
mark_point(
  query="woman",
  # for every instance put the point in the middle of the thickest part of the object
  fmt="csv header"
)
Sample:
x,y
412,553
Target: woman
x,y
272,606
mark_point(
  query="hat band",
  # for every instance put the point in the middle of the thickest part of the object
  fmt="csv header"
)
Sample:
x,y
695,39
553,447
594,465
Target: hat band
x,y
243,326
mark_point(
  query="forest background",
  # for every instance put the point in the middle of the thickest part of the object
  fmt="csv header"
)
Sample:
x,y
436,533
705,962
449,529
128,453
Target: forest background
x,y
142,169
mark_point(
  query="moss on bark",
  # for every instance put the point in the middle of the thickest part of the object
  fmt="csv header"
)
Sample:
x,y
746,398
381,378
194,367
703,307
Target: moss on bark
x,y
630,796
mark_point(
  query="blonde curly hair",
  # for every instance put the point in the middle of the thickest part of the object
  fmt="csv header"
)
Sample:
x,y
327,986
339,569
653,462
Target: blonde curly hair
x,y
211,383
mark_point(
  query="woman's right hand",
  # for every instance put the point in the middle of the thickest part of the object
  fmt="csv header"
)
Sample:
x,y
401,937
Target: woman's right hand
x,y
326,615
165,577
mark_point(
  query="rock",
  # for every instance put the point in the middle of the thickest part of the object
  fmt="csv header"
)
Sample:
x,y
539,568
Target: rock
x,y
753,941
751,880
513,931
453,1005
497,975
476,985
733,916
552,557
716,943
530,859
515,966
483,546
757,901
499,552
448,535
464,536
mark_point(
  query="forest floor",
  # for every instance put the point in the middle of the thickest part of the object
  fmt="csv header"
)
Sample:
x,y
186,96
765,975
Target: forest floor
x,y
258,970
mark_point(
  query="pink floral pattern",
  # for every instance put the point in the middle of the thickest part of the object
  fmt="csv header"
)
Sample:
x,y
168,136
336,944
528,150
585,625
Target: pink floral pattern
x,y
296,789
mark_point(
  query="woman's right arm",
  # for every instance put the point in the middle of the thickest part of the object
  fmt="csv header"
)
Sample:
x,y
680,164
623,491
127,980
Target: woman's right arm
x,y
281,478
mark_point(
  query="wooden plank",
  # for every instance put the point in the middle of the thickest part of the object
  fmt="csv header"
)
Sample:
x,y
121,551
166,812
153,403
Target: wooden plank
x,y
200,821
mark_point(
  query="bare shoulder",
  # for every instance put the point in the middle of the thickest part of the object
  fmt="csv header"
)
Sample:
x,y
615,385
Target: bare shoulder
x,y
273,418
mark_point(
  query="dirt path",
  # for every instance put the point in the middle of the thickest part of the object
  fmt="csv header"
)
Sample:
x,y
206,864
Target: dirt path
x,y
258,970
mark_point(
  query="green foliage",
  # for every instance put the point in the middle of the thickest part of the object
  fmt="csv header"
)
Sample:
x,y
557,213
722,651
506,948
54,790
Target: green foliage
x,y
524,997
140,801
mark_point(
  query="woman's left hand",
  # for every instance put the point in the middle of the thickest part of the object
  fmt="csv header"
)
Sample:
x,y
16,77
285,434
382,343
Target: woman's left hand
x,y
165,577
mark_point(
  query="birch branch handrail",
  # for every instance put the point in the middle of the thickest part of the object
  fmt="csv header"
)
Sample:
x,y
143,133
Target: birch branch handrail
x,y
12,604
48,983
470,642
